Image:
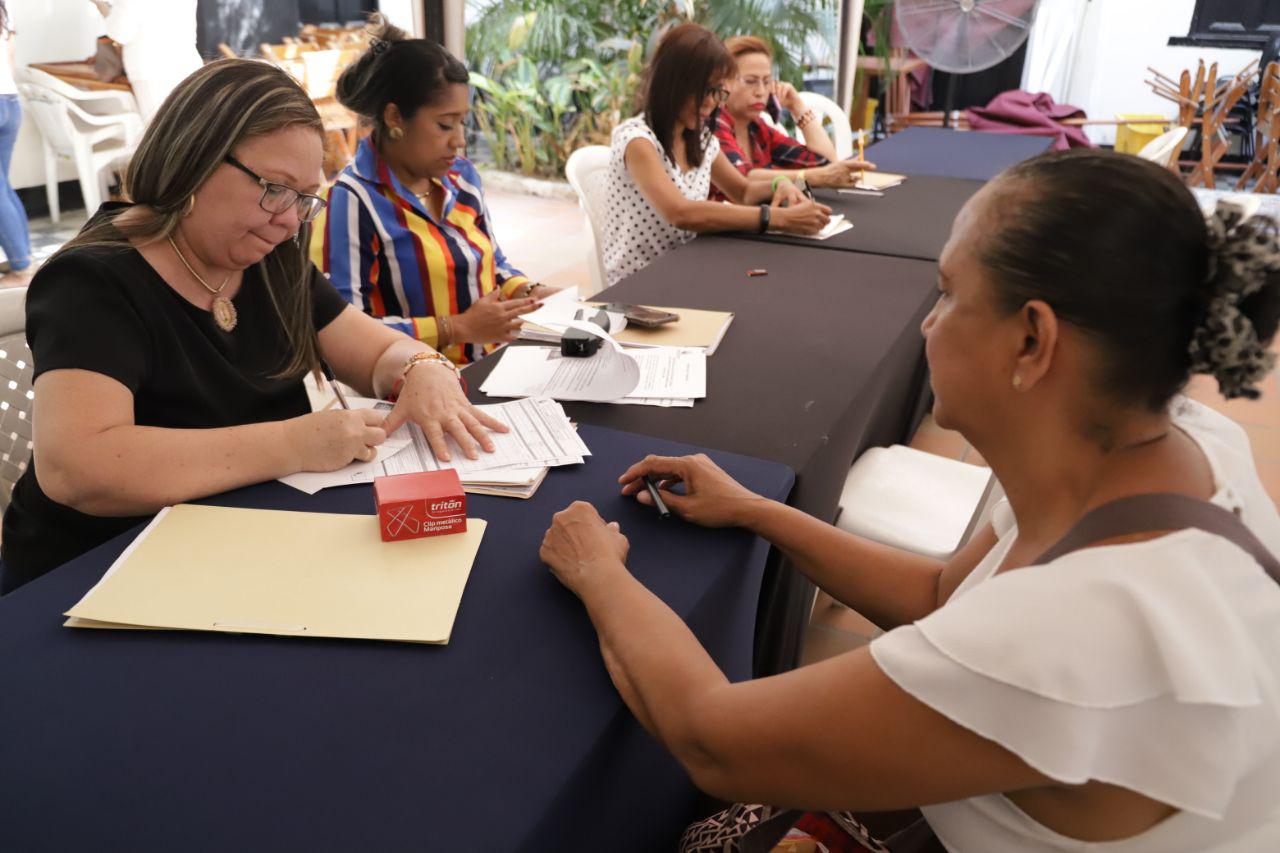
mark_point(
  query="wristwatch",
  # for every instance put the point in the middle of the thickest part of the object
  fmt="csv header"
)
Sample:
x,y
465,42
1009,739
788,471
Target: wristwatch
x,y
764,219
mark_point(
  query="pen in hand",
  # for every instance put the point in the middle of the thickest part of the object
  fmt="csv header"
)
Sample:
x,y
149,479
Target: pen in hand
x,y
333,383
658,503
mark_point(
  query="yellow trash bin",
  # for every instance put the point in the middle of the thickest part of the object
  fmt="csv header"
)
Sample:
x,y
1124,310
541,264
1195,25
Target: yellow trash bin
x,y
1130,138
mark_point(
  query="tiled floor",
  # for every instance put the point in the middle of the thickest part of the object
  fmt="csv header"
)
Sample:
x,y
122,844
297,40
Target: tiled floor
x,y
547,239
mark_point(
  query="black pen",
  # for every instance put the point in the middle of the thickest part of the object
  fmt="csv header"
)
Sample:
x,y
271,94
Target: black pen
x,y
333,383
658,503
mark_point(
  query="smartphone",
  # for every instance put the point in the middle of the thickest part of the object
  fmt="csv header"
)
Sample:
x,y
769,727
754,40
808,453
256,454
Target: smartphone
x,y
774,108
641,316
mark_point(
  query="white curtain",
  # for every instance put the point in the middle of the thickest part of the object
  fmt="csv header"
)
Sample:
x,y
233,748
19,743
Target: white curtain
x,y
1051,49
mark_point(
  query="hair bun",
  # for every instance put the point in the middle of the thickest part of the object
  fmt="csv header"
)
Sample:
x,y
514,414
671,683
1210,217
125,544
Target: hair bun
x,y
1244,255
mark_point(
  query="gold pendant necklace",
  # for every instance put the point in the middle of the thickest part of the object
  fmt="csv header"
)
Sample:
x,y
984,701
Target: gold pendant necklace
x,y
224,313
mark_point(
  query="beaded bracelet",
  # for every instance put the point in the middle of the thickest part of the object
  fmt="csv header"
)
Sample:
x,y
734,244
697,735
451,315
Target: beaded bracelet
x,y
805,120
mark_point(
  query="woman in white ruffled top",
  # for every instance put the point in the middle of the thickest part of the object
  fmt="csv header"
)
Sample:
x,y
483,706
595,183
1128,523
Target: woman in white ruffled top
x,y
1123,697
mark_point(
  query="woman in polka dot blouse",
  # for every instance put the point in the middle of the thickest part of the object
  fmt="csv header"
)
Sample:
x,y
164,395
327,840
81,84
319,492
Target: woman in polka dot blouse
x,y
665,160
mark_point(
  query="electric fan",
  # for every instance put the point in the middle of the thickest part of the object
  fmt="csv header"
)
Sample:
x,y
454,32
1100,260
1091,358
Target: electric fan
x,y
964,36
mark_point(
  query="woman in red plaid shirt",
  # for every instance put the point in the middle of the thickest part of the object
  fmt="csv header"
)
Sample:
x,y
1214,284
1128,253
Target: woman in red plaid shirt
x,y
761,150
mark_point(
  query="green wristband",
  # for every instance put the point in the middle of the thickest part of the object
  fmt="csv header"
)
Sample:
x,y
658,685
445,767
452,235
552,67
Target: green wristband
x,y
774,186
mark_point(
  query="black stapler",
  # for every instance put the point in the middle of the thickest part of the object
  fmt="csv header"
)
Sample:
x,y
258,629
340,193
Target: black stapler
x,y
579,343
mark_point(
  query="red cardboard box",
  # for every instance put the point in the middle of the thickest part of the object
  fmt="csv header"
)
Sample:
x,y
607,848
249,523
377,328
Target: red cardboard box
x,y
411,506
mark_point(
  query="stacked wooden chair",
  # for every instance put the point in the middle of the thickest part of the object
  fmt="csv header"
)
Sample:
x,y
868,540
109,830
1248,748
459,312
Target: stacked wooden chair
x,y
1207,101
1264,170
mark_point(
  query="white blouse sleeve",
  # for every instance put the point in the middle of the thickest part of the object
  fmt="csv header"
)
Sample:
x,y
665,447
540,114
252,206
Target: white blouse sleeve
x,y
629,130
1126,664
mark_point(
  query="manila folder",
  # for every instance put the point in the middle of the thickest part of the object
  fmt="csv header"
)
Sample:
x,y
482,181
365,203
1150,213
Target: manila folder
x,y
251,571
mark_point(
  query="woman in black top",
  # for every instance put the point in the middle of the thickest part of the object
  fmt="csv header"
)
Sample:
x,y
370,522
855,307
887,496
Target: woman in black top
x,y
170,337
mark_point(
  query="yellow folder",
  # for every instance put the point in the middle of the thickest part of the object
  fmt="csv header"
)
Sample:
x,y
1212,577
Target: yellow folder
x,y
299,574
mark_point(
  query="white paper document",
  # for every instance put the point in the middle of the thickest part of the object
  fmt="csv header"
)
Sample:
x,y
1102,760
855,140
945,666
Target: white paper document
x,y
836,225
540,435
663,376
559,313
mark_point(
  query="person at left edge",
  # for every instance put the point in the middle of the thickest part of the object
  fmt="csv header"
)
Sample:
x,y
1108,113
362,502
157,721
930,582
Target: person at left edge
x,y
169,339
407,237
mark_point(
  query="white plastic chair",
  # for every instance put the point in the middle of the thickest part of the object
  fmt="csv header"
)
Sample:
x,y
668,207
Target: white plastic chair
x,y
916,501
826,109
16,396
94,130
588,171
1164,148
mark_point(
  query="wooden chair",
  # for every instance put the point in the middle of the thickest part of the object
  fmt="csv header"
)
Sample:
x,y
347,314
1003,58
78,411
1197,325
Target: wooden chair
x,y
1219,101
1205,101
1264,169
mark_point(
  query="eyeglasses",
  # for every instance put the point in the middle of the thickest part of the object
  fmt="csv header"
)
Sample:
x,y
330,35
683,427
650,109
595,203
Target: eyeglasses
x,y
277,198
720,93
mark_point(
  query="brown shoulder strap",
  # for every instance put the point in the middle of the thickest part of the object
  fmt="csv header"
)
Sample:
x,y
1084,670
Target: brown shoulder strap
x,y
1146,513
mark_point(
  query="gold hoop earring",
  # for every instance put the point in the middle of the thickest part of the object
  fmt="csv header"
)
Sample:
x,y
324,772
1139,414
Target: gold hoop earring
x,y
190,206
396,134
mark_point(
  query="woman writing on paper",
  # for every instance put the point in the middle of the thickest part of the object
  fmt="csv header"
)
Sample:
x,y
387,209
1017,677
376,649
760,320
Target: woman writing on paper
x,y
663,163
1119,693
170,337
406,236
758,149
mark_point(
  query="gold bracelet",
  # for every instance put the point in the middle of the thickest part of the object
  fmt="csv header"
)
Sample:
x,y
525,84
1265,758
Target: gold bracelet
x,y
426,358
444,331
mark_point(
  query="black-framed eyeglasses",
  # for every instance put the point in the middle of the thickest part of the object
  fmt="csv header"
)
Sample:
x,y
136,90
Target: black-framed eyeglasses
x,y
277,198
720,93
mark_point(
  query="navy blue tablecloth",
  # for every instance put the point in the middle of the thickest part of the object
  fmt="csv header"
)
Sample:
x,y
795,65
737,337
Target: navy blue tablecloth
x,y
509,738
954,154
912,220
823,360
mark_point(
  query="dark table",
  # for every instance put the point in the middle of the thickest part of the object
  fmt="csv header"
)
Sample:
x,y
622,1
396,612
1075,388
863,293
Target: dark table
x,y
911,220
510,738
956,154
824,359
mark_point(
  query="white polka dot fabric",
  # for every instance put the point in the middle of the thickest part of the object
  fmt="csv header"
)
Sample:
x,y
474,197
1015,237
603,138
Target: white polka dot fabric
x,y
635,233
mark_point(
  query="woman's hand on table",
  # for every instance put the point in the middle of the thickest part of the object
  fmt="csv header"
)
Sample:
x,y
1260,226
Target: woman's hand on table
x,y
841,173
326,441
581,547
806,217
711,497
491,320
432,398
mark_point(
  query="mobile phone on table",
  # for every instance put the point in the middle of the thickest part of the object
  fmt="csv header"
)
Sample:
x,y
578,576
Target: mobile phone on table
x,y
642,316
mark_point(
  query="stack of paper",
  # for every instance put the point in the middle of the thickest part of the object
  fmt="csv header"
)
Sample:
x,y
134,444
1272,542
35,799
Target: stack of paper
x,y
548,323
540,436
300,574
654,376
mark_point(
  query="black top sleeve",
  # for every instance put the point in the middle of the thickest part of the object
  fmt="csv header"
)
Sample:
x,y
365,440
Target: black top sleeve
x,y
79,316
326,302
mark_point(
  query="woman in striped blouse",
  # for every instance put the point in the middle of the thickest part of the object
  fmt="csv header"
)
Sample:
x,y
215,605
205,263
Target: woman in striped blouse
x,y
406,236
